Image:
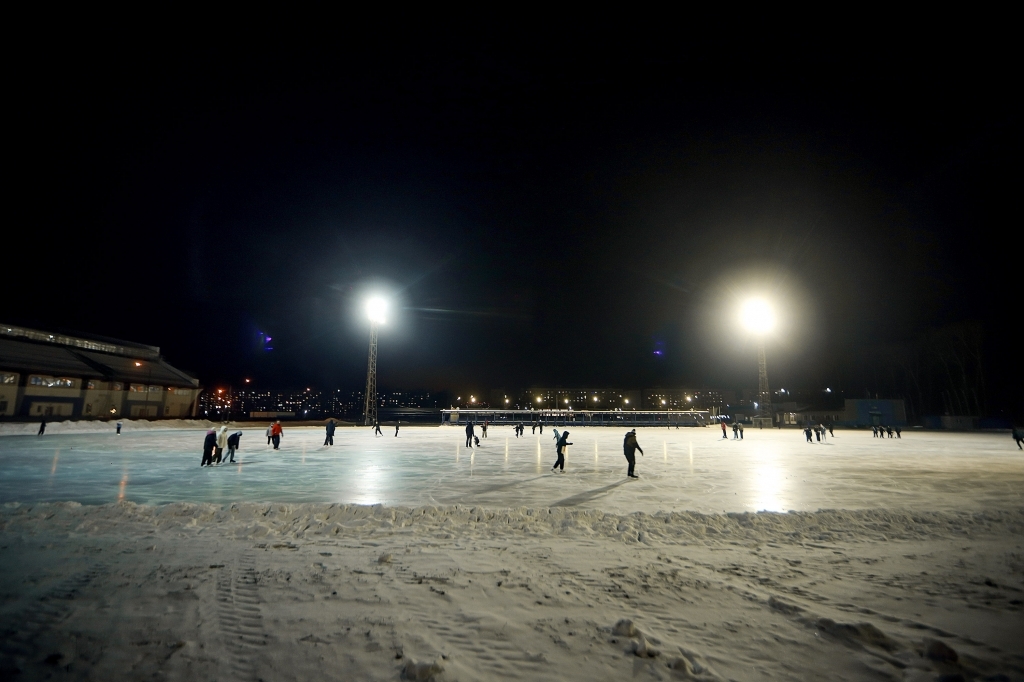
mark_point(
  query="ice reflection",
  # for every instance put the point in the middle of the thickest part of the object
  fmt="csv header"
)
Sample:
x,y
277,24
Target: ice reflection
x,y
768,484
370,485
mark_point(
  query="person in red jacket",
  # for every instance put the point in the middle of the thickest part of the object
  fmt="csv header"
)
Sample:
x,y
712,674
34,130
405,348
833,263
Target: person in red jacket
x,y
275,434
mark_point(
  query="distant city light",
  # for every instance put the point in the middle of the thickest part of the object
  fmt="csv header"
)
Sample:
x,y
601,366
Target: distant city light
x,y
828,390
757,316
376,309
138,364
538,400
246,381
626,401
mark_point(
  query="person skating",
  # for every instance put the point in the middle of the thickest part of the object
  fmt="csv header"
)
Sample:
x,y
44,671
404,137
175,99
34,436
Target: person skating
x,y
888,429
208,445
276,432
830,430
469,434
629,448
119,427
735,431
725,432
483,430
233,443
42,428
376,429
741,431
397,424
533,429
270,433
476,441
898,432
560,446
1018,437
807,433
222,442
817,433
540,425
329,440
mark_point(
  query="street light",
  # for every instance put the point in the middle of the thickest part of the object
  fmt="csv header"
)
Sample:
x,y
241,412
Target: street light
x,y
758,318
376,312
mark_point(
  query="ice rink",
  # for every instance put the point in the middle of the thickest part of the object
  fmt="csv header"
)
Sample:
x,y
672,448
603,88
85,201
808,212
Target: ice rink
x,y
684,469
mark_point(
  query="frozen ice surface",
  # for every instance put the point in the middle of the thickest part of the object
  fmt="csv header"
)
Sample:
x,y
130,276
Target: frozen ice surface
x,y
684,469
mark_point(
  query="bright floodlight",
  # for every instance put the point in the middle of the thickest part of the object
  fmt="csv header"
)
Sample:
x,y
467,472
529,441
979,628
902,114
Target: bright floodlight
x,y
757,316
376,309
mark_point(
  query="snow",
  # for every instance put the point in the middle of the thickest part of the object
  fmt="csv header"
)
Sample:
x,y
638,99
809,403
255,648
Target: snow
x,y
411,558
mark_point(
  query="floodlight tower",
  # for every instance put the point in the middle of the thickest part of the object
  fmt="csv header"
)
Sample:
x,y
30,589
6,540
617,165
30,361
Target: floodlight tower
x,y
757,316
375,311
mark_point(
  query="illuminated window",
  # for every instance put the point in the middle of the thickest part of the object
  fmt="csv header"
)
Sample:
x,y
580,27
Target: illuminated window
x,y
117,387
155,389
137,388
8,378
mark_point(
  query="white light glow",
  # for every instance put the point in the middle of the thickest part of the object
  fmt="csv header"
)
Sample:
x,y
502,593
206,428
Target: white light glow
x,y
757,316
377,309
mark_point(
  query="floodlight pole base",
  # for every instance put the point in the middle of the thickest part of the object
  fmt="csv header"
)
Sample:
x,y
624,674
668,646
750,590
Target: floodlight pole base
x,y
370,406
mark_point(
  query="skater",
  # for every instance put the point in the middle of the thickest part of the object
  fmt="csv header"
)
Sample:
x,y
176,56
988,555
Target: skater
x,y
119,427
42,428
898,432
329,440
476,441
830,430
469,434
270,433
533,429
560,447
556,432
397,424
376,429
276,433
807,433
817,433
741,432
233,443
483,429
888,429
1018,437
725,434
208,445
222,442
629,447
735,431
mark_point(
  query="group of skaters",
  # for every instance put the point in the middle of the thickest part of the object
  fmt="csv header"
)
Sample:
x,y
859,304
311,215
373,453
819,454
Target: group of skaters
x,y
376,429
216,441
737,430
817,432
629,448
473,440
882,431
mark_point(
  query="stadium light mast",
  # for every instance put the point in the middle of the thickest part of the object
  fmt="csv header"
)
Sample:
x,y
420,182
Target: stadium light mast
x,y
758,318
376,309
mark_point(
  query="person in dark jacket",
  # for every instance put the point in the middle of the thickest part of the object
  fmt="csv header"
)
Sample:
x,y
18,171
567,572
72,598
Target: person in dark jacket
x,y
469,434
629,448
376,430
560,446
233,443
1018,437
208,445
397,424
42,428
807,433
329,440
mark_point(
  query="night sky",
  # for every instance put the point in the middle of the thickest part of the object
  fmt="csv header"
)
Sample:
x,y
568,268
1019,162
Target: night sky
x,y
537,215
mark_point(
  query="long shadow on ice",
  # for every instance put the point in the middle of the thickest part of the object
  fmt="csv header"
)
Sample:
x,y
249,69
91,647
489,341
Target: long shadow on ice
x,y
587,496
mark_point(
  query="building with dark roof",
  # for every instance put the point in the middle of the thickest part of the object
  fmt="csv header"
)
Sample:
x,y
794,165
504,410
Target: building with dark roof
x,y
48,375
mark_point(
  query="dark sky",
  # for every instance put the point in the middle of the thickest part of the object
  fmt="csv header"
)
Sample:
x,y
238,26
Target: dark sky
x,y
538,215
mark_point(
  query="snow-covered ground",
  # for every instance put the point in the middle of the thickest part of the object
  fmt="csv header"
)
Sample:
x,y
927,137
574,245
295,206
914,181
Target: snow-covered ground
x,y
682,469
483,565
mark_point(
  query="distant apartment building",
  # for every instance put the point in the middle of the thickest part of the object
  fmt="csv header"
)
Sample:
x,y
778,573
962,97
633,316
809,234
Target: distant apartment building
x,y
59,376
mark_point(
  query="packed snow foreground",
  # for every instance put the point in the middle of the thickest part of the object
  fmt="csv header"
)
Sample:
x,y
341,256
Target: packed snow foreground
x,y
587,590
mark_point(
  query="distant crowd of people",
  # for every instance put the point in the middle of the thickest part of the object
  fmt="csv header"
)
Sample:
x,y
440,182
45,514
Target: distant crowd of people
x,y
882,431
